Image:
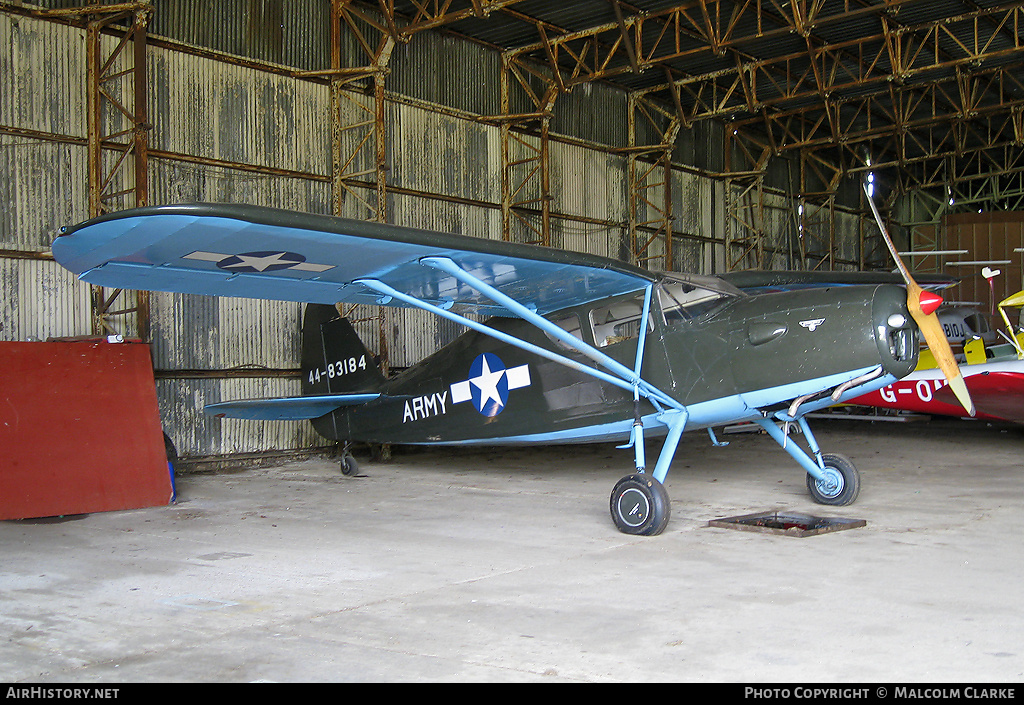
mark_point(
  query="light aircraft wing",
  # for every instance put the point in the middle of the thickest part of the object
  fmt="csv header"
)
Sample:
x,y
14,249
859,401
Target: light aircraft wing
x,y
264,253
287,408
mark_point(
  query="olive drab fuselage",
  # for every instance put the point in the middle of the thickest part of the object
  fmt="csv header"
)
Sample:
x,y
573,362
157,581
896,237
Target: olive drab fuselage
x,y
724,346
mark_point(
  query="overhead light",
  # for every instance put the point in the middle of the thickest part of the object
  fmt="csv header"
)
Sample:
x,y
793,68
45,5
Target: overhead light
x,y
932,252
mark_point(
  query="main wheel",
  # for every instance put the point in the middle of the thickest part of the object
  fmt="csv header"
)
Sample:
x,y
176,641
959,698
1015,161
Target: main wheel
x,y
841,484
640,505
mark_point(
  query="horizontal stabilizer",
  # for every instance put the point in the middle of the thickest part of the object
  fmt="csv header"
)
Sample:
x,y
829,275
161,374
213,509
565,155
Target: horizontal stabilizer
x,y
286,408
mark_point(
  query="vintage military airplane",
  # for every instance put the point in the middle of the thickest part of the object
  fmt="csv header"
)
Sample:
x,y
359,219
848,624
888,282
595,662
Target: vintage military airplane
x,y
578,347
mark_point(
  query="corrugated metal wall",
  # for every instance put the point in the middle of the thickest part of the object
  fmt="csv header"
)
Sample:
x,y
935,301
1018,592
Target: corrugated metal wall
x,y
232,130
42,182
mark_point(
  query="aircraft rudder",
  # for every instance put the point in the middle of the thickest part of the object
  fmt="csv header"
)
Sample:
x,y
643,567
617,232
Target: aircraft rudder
x,y
334,359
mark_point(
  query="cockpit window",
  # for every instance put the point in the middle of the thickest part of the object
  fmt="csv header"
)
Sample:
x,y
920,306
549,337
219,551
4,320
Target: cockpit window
x,y
683,300
570,323
977,323
618,321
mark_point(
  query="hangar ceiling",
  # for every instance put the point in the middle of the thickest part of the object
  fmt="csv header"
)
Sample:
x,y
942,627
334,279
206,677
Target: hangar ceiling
x,y
927,92
923,97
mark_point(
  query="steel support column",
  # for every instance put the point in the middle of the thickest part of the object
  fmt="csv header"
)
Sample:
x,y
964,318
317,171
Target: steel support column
x,y
744,204
816,212
118,139
525,175
650,183
358,146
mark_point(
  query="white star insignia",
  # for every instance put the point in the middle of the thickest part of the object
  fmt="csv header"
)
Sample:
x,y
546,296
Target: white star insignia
x,y
258,261
487,383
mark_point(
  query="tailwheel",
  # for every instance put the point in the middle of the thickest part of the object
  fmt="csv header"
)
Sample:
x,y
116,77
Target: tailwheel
x,y
640,505
841,484
349,466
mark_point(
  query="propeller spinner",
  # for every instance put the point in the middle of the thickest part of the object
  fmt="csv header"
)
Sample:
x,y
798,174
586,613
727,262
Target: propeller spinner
x,y
922,305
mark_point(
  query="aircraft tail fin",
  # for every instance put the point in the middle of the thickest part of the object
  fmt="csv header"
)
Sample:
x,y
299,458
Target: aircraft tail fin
x,y
334,359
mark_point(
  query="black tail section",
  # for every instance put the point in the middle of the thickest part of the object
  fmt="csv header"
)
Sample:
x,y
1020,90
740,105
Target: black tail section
x,y
334,359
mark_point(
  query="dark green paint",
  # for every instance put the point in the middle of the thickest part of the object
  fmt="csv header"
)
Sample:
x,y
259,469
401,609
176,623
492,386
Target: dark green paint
x,y
721,352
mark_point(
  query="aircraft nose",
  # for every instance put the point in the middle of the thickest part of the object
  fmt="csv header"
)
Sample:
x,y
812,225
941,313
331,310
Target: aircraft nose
x,y
896,334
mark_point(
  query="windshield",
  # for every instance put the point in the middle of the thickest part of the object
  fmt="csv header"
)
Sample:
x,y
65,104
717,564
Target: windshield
x,y
683,298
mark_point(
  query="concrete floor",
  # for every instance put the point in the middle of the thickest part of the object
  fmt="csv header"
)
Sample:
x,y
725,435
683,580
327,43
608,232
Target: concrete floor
x,y
503,565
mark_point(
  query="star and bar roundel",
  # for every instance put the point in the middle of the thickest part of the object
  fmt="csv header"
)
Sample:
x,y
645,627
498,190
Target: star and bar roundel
x,y
489,383
489,380
263,261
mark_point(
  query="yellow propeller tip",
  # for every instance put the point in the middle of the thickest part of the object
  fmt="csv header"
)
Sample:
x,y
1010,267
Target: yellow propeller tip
x,y
959,388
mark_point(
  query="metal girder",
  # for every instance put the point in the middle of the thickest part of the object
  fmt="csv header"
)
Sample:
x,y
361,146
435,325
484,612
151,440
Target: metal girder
x,y
836,81
426,14
117,136
525,140
897,55
649,169
816,233
746,244
816,213
638,40
358,147
901,123
908,98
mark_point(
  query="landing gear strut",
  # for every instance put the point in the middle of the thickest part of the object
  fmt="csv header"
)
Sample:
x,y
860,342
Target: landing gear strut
x,y
831,478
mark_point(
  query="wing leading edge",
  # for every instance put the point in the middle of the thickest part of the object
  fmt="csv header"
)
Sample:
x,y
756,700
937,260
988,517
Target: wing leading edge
x,y
264,253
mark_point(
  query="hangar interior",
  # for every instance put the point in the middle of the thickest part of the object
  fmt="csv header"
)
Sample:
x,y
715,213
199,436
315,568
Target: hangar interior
x,y
705,136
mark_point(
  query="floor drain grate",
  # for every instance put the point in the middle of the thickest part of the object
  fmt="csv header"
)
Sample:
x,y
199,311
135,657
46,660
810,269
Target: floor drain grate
x,y
787,524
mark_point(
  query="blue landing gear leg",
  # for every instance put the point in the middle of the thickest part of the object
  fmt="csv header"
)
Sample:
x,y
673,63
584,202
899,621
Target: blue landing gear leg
x,y
639,502
831,478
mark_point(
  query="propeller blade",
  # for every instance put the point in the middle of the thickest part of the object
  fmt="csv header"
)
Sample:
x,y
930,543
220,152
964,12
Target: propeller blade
x,y
922,310
938,343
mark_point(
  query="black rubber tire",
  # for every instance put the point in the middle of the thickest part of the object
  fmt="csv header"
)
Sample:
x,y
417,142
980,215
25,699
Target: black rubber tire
x,y
170,450
640,505
847,479
349,466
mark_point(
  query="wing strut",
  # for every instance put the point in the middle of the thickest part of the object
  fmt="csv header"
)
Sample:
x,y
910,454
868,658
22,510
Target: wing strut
x,y
388,291
447,265
621,376
676,414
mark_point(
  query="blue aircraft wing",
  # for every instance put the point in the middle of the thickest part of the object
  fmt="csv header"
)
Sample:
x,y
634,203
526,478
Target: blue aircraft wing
x,y
286,408
264,253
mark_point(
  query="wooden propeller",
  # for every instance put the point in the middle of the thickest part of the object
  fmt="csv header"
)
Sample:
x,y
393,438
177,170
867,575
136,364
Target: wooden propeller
x,y
922,305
